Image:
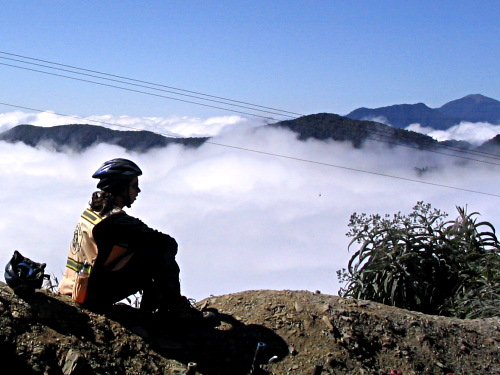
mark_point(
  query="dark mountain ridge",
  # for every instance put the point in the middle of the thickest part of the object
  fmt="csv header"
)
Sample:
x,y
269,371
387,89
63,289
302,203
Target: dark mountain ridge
x,y
322,126
490,147
81,137
472,108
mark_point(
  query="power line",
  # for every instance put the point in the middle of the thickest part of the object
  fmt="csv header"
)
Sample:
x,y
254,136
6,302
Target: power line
x,y
282,113
356,169
158,87
452,148
177,136
294,158
428,145
463,151
431,143
86,119
139,91
398,135
133,84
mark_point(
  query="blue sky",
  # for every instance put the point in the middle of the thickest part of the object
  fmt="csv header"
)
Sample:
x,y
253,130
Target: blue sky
x,y
244,220
301,56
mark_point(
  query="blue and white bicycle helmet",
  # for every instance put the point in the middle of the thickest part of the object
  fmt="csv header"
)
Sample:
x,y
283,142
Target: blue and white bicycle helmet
x,y
113,173
23,275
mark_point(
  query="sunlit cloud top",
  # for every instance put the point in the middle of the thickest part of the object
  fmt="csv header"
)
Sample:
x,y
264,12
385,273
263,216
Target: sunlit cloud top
x,y
474,133
172,126
243,220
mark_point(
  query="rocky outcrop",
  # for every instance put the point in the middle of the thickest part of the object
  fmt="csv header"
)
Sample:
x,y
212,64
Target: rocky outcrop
x,y
299,332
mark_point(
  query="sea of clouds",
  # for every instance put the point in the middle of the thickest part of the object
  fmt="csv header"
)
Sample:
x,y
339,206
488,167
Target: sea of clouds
x,y
476,133
244,219
176,126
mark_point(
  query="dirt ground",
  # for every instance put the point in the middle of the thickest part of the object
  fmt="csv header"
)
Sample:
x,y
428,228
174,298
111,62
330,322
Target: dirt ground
x,y
259,332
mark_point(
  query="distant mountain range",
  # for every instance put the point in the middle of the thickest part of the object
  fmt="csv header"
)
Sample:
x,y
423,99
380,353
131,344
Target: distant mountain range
x,y
322,126
81,137
471,108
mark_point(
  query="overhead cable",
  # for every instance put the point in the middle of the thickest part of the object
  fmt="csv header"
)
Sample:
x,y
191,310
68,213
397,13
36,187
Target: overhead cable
x,y
294,158
87,120
153,86
177,136
427,148
280,112
356,170
141,92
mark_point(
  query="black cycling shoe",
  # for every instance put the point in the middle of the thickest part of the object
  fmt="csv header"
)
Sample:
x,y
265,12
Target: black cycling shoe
x,y
184,309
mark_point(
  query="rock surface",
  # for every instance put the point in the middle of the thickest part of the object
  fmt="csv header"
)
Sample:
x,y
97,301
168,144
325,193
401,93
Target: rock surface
x,y
301,333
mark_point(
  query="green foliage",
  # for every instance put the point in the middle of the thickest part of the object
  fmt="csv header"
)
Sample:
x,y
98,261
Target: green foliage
x,y
424,263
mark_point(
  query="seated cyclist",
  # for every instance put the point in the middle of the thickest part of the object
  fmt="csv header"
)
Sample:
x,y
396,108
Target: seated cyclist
x,y
124,254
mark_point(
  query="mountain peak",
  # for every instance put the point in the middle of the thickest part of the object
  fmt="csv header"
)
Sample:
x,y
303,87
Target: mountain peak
x,y
473,108
478,98
403,115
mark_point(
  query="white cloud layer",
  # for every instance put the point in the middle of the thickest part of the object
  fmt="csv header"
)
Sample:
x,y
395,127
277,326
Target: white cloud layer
x,y
243,220
476,133
172,126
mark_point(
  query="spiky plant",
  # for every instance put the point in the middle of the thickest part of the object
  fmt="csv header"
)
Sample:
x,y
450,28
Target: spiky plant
x,y
420,262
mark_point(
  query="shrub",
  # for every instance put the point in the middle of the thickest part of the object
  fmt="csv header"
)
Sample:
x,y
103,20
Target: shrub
x,y
424,263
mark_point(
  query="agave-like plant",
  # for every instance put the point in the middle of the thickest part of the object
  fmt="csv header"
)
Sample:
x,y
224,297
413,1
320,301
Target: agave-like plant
x,y
420,262
478,295
477,266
